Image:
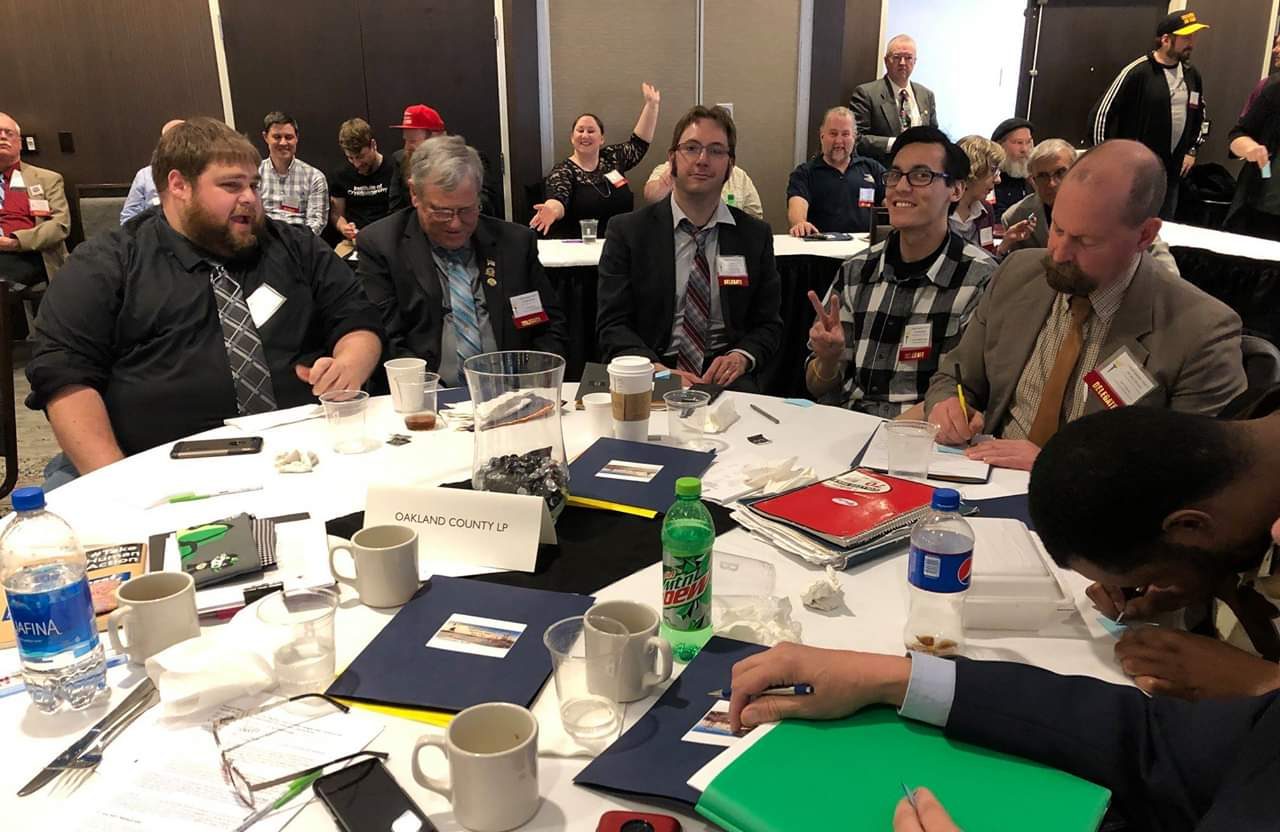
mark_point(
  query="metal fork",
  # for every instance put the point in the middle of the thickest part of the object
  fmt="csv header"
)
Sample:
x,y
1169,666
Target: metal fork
x,y
92,755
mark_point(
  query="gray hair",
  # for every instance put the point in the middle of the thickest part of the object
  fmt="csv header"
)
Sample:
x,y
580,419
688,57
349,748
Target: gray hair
x,y
842,112
888,47
1049,148
444,161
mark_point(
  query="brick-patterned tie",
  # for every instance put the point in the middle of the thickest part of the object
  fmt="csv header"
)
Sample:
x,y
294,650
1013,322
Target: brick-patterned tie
x,y
1049,414
245,354
696,326
904,109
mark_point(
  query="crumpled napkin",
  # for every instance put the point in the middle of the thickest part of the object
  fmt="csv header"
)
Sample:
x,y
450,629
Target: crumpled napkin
x,y
759,619
825,594
296,461
721,416
214,668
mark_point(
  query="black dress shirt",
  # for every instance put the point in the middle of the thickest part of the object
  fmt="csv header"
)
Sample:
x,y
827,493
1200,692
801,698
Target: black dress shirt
x,y
833,196
134,317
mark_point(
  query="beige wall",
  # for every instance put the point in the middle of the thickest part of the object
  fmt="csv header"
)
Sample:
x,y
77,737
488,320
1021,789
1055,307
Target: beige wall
x,y
600,54
750,56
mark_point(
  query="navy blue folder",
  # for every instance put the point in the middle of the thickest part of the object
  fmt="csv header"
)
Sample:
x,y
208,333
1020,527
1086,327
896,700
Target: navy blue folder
x,y
398,668
658,494
650,760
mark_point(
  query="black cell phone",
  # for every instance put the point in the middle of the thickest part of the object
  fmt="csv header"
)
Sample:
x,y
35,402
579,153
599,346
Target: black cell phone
x,y
200,448
713,390
365,798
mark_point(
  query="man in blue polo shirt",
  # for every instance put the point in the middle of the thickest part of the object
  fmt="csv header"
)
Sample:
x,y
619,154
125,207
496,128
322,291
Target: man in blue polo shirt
x,y
835,190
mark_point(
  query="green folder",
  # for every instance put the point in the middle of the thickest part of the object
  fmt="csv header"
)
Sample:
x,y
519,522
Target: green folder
x,y
848,774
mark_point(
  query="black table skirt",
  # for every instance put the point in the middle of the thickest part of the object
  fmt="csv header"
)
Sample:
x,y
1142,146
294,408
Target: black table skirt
x,y
1250,287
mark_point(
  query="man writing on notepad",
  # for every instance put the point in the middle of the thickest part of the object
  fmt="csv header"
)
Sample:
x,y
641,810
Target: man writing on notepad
x,y
1170,765
1091,323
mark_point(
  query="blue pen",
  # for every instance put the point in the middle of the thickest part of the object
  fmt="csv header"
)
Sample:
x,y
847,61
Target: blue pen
x,y
785,690
19,687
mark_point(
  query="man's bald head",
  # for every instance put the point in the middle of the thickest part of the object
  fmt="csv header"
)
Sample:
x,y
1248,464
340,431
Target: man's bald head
x,y
170,124
1122,173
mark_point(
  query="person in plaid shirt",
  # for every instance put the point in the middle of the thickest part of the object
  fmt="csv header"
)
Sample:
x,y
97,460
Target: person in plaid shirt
x,y
895,308
292,191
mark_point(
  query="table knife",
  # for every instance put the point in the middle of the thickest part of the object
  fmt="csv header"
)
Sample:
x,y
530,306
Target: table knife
x,y
135,699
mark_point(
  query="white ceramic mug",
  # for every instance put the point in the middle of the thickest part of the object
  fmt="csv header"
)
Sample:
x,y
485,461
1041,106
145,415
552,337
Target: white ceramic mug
x,y
492,751
386,561
156,611
631,388
645,657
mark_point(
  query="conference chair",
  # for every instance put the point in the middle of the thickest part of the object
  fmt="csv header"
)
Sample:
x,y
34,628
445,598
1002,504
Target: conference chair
x,y
8,414
1261,361
98,209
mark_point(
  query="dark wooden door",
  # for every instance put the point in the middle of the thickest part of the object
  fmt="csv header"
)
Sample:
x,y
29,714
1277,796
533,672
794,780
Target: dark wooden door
x,y
300,56
1083,44
434,52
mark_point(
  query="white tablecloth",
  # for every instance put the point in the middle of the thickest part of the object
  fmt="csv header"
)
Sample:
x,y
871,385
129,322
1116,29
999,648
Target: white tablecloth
x,y
105,503
555,254
1221,242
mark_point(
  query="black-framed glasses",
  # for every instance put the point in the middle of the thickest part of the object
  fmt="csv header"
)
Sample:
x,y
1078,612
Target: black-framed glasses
x,y
1046,178
243,786
920,177
691,151
447,214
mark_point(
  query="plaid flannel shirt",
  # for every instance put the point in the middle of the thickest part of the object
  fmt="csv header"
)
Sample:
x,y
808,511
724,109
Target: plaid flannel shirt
x,y
876,307
303,189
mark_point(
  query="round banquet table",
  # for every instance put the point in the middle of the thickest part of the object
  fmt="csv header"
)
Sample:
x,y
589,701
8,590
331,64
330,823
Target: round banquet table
x,y
104,505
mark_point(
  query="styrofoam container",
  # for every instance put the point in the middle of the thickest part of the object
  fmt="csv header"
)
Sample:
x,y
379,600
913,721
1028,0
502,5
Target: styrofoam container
x,y
1012,587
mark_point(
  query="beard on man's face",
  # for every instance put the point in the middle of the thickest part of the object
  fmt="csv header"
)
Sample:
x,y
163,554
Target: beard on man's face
x,y
1017,168
1067,277
217,234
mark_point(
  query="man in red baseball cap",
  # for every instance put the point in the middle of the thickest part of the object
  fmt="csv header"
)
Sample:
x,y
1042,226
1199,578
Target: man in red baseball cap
x,y
420,123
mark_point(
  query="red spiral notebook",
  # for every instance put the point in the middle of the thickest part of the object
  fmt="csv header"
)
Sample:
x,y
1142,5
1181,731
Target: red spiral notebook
x,y
851,509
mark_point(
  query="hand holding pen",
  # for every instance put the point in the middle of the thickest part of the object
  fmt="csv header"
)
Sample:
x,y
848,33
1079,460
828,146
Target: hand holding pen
x,y
920,811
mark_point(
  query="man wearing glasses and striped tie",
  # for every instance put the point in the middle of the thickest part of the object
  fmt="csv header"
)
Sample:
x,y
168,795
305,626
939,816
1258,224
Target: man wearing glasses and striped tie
x,y
688,281
451,284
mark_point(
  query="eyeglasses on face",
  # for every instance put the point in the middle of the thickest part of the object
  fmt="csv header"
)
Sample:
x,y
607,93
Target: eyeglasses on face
x,y
691,151
1046,178
447,214
901,58
919,177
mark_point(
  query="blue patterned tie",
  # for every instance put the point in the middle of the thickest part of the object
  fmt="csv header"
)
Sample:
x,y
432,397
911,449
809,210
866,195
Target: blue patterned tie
x,y
696,326
245,354
466,321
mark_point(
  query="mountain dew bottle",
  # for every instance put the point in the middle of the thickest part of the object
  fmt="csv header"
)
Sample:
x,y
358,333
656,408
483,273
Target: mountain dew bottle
x,y
687,537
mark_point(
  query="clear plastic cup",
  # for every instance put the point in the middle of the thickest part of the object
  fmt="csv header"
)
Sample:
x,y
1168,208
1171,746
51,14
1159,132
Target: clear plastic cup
x,y
301,628
687,416
419,402
402,372
910,448
589,715
345,411
588,228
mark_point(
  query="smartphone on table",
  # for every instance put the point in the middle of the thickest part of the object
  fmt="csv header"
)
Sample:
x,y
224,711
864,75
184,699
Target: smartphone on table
x,y
364,797
201,448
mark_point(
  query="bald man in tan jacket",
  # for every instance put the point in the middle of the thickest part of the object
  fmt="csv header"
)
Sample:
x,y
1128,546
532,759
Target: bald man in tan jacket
x,y
34,216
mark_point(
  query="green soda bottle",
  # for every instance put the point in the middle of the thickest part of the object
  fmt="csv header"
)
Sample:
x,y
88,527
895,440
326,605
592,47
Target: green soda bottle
x,y
687,537
729,199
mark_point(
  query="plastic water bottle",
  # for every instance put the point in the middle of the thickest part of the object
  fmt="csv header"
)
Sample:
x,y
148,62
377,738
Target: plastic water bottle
x,y
43,570
938,572
688,535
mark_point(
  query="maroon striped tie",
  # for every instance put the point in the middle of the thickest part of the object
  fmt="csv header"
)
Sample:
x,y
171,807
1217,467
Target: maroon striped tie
x,y
696,326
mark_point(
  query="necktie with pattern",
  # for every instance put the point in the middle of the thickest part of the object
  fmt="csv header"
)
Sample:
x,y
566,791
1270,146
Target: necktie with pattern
x,y
696,325
466,320
1049,413
904,109
245,355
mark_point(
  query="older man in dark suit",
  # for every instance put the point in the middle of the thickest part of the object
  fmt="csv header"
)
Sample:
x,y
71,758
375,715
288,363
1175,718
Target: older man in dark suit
x,y
452,284
689,281
886,107
1092,322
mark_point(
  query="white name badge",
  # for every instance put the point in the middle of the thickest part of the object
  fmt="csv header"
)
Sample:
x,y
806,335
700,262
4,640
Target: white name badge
x,y
459,528
263,303
866,197
731,270
35,191
1193,99
526,310
39,207
615,178
985,236
916,342
1119,381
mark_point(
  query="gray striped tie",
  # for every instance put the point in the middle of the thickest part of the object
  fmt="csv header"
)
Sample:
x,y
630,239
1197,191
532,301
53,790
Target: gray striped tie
x,y
245,354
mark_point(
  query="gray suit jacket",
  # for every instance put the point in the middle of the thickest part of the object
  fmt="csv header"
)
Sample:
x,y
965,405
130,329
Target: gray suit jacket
x,y
1187,341
876,114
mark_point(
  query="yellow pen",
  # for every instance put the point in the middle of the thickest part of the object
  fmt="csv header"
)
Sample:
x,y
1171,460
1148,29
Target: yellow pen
x,y
964,406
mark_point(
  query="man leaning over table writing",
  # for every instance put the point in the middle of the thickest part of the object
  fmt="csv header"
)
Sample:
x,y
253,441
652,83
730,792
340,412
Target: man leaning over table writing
x,y
1090,323
201,311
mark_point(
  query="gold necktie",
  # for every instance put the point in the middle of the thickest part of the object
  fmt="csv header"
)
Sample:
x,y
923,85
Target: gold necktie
x,y
1049,414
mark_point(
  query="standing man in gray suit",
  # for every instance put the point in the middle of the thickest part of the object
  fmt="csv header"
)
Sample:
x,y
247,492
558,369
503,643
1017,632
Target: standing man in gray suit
x,y
886,107
1093,323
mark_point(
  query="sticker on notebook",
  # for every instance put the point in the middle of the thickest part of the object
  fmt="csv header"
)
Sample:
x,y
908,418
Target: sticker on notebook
x,y
621,469
859,482
713,728
478,636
